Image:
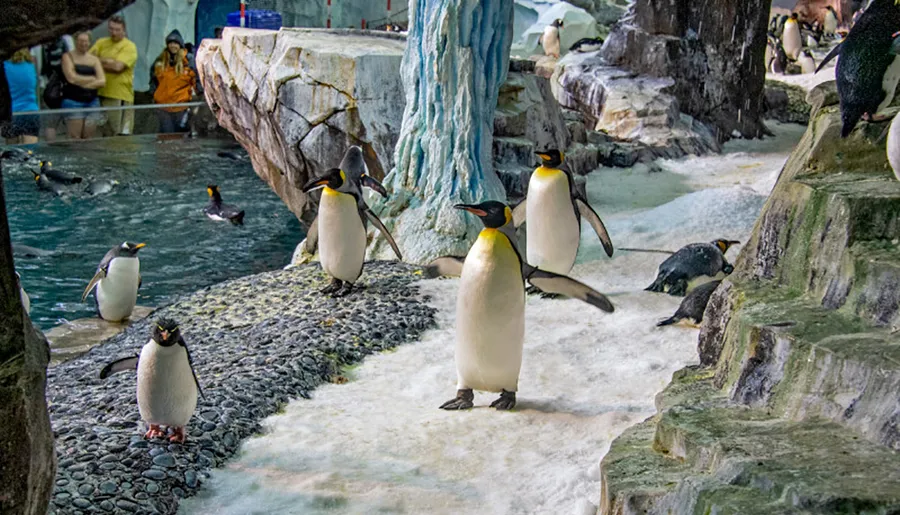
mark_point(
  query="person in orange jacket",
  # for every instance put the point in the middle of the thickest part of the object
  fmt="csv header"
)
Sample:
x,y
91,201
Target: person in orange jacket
x,y
173,81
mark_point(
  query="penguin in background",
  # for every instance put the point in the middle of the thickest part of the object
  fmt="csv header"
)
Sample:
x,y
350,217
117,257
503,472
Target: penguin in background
x,y
691,263
867,71
807,62
17,155
58,176
830,22
45,184
167,385
693,305
219,211
490,306
782,20
552,209
893,146
117,281
549,40
790,38
587,45
26,300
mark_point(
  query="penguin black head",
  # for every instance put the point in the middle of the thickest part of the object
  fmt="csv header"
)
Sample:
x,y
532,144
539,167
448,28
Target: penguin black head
x,y
44,165
128,249
794,16
724,245
213,192
551,158
493,214
558,23
334,179
166,332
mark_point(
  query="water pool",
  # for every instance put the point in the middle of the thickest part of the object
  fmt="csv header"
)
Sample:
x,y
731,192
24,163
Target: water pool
x,y
159,200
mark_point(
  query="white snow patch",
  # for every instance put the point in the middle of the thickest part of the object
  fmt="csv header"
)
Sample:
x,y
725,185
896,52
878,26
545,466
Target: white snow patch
x,y
380,444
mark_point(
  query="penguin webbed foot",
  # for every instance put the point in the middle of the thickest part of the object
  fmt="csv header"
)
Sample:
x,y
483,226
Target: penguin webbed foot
x,y
678,289
506,402
463,400
533,290
178,436
343,291
335,285
155,431
545,295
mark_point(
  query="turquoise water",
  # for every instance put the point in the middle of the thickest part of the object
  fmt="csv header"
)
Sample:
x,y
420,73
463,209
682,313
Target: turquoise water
x,y
159,201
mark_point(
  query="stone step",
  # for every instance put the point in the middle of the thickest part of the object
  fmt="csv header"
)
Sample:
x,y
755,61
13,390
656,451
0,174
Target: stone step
x,y
801,361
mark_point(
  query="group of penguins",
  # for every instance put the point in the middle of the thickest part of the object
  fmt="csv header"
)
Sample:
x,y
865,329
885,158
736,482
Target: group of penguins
x,y
490,322
549,41
790,41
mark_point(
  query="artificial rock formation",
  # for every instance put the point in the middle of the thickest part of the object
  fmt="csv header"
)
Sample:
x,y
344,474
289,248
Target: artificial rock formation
x,y
793,408
714,54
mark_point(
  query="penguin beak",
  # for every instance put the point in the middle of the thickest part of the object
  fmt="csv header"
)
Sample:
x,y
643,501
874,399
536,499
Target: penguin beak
x,y
475,210
165,335
140,245
315,184
545,157
373,184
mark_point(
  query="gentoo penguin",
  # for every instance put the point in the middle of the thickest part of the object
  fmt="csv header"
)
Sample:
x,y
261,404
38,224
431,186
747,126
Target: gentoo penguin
x,y
693,305
807,62
100,186
17,155
167,385
117,281
867,72
216,210
694,261
58,175
552,209
339,230
586,45
893,146
550,38
26,301
830,23
790,38
490,306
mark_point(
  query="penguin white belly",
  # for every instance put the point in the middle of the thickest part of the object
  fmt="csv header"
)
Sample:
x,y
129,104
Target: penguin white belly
x,y
830,25
117,292
791,41
553,233
807,64
893,146
550,40
490,316
166,391
342,237
26,302
889,83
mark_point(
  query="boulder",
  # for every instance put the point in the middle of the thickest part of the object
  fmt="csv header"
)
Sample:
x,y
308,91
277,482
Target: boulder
x,y
786,102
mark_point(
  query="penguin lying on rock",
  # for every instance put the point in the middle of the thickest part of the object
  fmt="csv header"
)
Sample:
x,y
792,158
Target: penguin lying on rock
x,y
586,45
339,230
216,210
693,305
167,384
490,306
117,281
691,262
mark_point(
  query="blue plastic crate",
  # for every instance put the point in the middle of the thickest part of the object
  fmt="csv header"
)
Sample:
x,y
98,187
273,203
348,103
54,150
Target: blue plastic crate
x,y
256,19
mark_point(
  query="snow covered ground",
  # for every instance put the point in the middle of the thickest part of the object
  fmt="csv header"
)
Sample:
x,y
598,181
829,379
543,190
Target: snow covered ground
x,y
379,444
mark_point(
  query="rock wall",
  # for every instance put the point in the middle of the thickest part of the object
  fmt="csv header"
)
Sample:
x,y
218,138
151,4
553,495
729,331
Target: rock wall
x,y
794,405
714,56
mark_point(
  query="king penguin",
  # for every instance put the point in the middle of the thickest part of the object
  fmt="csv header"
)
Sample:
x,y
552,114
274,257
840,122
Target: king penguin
x,y
167,385
552,210
867,71
790,38
550,38
693,305
490,307
830,22
692,263
117,281
219,211
58,175
339,230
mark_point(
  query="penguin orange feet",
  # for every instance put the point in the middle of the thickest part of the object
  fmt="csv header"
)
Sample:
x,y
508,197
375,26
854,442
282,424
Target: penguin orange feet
x,y
507,401
179,435
333,287
154,432
463,400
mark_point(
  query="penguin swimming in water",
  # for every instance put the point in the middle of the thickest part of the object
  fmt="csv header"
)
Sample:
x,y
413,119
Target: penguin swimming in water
x,y
693,305
26,301
220,212
552,210
339,230
17,155
100,186
58,175
167,384
117,281
790,37
807,62
867,72
689,263
587,45
45,184
490,306
550,38
830,22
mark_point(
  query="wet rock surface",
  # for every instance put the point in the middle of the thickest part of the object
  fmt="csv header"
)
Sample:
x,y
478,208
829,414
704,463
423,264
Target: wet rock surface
x,y
256,342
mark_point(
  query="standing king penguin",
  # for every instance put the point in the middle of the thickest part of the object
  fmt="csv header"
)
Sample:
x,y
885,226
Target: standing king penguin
x,y
790,38
490,307
117,281
339,230
552,210
167,385
830,22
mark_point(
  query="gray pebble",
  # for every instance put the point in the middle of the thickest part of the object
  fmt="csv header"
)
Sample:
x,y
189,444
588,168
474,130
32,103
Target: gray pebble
x,y
154,474
82,503
127,505
208,426
190,478
164,460
62,482
156,451
107,506
108,487
78,476
152,488
85,489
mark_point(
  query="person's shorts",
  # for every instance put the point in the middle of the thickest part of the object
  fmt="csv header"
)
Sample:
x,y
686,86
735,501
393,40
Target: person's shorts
x,y
72,104
27,125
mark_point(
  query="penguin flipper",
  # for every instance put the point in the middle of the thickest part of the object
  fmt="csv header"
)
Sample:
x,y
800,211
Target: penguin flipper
x,y
668,321
387,235
373,184
312,237
191,364
119,365
518,213
101,274
563,285
594,219
450,266
831,55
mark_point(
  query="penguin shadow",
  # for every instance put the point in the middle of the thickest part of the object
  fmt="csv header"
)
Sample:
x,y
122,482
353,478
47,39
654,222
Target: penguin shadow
x,y
559,405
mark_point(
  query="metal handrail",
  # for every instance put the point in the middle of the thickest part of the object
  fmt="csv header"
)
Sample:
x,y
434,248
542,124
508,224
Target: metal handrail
x,y
109,108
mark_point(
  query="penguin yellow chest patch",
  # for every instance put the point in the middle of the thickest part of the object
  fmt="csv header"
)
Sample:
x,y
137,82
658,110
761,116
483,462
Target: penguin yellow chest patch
x,y
552,231
490,310
342,237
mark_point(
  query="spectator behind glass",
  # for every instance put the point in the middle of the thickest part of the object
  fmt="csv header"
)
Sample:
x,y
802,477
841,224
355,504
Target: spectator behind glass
x,y
52,66
173,82
84,76
21,76
117,55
